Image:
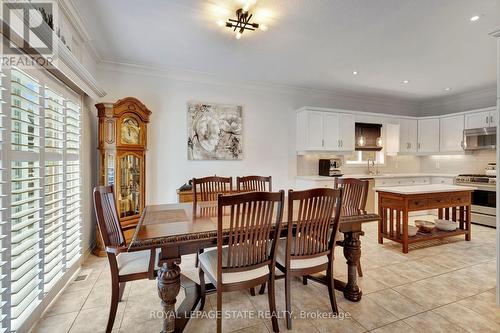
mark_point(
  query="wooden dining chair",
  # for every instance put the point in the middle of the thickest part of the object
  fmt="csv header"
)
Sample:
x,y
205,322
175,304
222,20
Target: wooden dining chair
x,y
309,245
354,195
254,183
251,227
205,192
125,266
207,189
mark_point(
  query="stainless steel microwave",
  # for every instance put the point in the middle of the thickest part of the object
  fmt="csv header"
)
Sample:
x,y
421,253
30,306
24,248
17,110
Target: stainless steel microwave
x,y
480,138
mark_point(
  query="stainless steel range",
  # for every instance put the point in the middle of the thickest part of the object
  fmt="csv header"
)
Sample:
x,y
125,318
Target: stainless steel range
x,y
483,198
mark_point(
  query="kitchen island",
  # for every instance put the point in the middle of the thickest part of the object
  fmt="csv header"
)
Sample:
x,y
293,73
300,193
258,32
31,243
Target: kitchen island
x,y
394,204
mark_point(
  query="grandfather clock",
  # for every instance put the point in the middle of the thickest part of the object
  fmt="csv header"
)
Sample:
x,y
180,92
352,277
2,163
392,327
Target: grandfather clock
x,y
122,150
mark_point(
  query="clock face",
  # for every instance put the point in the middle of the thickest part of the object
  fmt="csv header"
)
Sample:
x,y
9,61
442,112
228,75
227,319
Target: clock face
x,y
130,131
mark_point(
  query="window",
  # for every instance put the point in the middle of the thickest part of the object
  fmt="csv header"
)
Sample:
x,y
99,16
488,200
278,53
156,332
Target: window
x,y
40,140
362,157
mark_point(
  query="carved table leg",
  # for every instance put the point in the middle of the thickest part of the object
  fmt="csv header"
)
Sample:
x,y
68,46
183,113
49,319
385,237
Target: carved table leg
x,y
352,253
169,284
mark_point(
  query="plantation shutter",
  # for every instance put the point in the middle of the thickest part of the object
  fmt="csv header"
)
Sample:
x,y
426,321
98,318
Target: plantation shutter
x,y
40,189
26,194
4,255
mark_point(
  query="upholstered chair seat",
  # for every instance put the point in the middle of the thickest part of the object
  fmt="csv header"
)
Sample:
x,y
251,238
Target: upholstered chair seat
x,y
135,262
297,263
208,260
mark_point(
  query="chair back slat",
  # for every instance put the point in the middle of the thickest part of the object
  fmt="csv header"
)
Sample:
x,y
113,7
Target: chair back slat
x,y
250,219
309,224
107,216
206,190
254,183
354,195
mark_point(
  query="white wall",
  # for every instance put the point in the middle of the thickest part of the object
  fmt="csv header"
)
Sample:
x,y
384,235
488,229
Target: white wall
x,y
268,118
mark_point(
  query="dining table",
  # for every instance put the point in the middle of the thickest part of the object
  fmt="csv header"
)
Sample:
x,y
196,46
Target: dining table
x,y
177,231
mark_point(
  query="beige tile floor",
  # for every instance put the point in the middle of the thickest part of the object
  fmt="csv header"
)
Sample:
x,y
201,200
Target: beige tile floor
x,y
444,286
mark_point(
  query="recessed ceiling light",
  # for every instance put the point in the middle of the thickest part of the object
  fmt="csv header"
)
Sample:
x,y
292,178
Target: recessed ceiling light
x,y
475,18
355,72
406,81
447,89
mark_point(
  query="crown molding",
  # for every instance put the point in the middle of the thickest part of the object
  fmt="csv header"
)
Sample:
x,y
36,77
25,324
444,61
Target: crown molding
x,y
480,98
66,66
207,78
76,20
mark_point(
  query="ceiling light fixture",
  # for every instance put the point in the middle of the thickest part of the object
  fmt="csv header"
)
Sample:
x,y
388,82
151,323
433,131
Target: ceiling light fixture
x,y
475,18
355,72
447,89
242,22
406,81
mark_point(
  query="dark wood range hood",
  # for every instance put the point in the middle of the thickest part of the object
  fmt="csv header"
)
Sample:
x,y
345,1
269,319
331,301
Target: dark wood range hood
x,y
369,134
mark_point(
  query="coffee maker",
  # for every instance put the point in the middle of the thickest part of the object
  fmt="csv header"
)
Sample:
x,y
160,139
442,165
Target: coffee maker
x,y
330,167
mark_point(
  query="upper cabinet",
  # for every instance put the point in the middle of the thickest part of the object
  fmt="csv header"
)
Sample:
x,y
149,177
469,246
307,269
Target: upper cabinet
x,y
408,135
485,118
428,135
346,131
334,130
325,131
451,131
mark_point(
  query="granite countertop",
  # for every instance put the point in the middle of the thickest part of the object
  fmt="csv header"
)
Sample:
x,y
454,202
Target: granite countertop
x,y
381,176
422,189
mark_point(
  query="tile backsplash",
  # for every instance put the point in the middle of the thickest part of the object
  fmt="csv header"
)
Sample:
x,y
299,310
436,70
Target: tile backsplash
x,y
471,163
307,165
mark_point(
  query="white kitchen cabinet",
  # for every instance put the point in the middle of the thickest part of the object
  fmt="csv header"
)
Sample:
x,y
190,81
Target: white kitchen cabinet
x,y
331,139
392,134
451,131
443,180
325,131
346,130
481,119
493,118
408,135
403,181
310,130
428,135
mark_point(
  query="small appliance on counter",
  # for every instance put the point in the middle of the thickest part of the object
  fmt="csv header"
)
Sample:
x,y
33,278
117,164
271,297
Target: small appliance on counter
x,y
330,167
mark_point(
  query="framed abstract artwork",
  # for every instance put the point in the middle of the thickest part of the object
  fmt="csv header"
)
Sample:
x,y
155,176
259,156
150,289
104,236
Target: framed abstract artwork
x,y
215,131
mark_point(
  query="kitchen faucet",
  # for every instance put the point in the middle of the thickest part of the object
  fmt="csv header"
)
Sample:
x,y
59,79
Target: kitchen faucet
x,y
373,164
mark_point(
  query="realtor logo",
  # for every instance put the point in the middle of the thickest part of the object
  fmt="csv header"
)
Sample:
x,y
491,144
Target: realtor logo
x,y
28,33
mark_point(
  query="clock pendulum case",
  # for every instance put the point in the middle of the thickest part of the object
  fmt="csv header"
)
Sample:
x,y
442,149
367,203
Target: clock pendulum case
x,y
122,153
